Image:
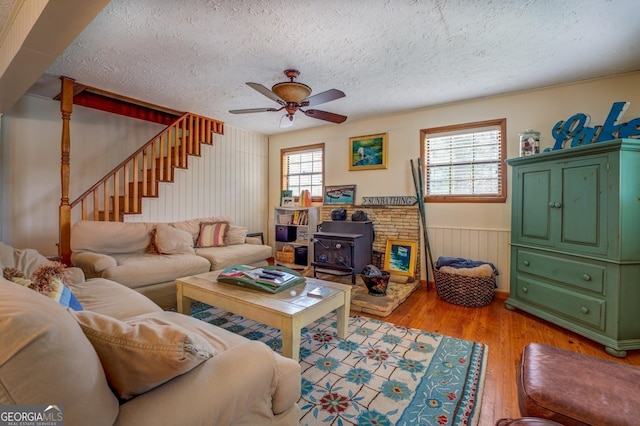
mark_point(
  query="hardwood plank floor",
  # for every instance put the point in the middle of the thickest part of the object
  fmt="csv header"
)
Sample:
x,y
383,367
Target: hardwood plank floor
x,y
505,332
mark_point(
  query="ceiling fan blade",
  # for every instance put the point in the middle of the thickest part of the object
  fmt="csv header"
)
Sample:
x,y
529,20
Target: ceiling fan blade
x,y
324,115
320,98
287,120
268,93
250,110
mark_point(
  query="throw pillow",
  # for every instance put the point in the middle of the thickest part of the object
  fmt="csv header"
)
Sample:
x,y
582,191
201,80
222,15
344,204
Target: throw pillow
x,y
237,235
192,226
61,294
44,275
15,275
47,280
170,240
153,247
142,352
213,234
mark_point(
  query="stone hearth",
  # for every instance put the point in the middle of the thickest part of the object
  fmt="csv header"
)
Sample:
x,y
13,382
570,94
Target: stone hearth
x,y
389,222
362,301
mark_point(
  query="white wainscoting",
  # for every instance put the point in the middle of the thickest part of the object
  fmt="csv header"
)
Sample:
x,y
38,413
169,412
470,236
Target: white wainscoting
x,y
229,178
477,244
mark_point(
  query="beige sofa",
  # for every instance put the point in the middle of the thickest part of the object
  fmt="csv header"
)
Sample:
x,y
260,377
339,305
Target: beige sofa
x,y
125,252
51,355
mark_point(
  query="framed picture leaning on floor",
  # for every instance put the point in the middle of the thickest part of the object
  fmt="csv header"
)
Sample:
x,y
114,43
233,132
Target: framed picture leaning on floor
x,y
400,257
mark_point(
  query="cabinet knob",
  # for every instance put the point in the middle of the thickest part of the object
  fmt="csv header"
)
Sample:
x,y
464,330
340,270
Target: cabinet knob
x,y
525,262
586,277
584,310
555,205
551,204
524,289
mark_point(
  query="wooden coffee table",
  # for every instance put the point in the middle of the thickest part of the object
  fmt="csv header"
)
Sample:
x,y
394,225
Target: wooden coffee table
x,y
289,310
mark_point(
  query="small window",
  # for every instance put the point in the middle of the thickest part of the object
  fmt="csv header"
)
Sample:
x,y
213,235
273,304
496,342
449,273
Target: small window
x,y
465,162
303,168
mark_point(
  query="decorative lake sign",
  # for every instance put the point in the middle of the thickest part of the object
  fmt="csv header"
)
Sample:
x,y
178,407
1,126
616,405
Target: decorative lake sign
x,y
390,200
577,129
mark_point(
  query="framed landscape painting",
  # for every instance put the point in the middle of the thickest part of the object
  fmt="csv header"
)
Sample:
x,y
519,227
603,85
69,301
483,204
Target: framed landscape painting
x,y
368,152
400,257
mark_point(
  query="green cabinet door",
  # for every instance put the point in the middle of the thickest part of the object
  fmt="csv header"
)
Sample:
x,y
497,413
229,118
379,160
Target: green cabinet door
x,y
562,205
581,212
535,190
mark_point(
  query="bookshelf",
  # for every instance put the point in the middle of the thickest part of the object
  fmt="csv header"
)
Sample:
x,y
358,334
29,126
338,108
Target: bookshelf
x,y
294,228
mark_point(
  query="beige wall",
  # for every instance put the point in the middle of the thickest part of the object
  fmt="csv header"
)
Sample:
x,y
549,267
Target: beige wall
x,y
537,109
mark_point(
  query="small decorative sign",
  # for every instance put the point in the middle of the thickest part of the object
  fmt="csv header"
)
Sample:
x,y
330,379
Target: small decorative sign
x,y
390,200
577,129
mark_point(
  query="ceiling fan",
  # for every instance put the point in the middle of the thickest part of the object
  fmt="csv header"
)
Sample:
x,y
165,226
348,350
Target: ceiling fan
x,y
293,96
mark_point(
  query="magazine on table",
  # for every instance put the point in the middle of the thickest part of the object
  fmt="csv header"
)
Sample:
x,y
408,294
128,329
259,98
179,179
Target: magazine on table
x,y
271,278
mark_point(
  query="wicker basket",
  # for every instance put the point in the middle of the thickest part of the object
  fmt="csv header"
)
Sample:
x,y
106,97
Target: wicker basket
x,y
285,254
471,292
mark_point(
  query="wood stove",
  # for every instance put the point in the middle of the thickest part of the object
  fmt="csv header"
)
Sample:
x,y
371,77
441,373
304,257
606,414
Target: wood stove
x,y
342,247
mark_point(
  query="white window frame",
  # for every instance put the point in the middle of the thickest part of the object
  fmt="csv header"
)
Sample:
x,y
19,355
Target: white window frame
x,y
315,174
472,132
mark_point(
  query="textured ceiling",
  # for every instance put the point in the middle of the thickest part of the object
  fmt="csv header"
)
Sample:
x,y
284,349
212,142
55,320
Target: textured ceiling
x,y
386,55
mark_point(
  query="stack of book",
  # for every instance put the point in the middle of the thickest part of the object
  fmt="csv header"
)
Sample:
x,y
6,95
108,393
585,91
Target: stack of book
x,y
300,217
270,277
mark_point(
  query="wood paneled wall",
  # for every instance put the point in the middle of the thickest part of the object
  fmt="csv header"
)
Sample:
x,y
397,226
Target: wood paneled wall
x,y
477,244
403,223
227,179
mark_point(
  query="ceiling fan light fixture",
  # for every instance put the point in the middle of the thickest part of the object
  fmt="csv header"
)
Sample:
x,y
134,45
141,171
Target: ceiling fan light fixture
x,y
287,121
292,97
291,91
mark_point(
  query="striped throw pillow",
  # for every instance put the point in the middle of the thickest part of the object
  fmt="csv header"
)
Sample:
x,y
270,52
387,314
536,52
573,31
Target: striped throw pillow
x,y
212,234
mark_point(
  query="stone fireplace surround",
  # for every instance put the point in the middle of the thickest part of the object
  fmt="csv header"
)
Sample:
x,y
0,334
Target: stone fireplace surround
x,y
389,222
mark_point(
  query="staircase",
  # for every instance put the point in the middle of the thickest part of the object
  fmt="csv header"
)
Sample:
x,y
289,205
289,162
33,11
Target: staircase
x,y
120,192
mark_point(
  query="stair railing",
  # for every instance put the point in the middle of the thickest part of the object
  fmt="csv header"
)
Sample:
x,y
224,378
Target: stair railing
x,y
121,190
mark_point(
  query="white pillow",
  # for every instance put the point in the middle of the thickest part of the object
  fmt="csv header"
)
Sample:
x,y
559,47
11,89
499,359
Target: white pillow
x,y
237,234
170,240
142,352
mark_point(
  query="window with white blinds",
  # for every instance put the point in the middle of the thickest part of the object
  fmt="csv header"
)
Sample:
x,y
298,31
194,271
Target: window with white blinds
x,y
303,168
465,163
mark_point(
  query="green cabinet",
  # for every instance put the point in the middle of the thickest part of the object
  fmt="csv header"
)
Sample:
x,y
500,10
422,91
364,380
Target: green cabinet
x,y
558,204
575,240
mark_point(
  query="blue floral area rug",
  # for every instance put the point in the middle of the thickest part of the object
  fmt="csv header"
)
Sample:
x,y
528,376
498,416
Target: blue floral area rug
x,y
381,374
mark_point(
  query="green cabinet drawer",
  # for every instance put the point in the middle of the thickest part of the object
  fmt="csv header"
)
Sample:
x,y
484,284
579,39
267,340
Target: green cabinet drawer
x,y
563,302
589,276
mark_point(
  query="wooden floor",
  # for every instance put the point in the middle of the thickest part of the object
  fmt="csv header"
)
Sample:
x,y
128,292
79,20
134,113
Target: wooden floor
x,y
505,332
